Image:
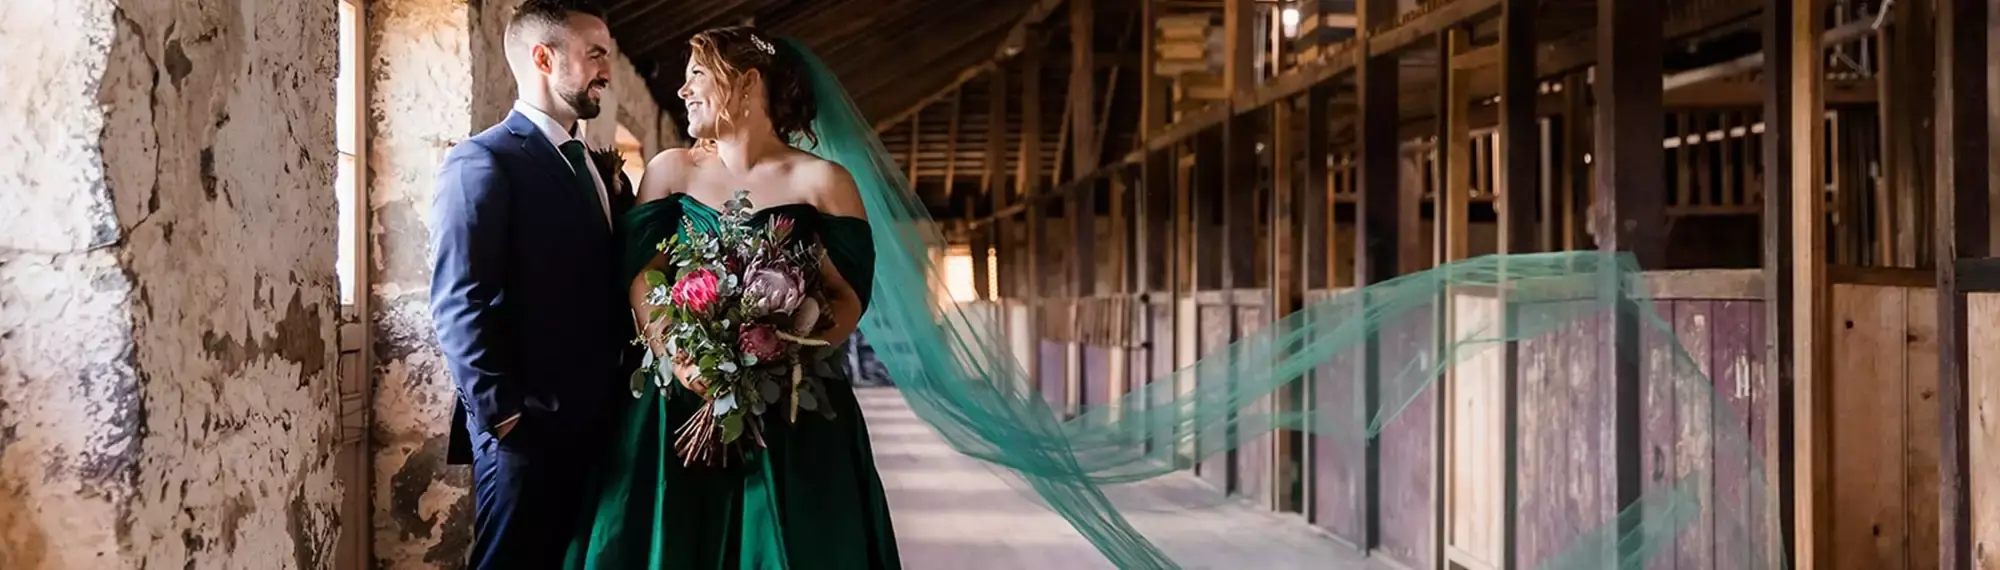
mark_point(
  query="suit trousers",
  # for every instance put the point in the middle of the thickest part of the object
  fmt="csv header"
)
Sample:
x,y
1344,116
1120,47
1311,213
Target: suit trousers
x,y
529,489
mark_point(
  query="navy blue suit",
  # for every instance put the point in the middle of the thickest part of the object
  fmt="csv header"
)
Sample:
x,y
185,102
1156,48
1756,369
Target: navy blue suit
x,y
531,322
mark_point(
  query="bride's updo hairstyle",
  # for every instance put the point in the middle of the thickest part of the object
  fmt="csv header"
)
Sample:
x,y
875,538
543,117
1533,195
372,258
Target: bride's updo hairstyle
x,y
731,53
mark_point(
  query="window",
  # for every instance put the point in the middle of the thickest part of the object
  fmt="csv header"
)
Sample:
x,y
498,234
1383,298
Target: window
x,y
957,270
349,184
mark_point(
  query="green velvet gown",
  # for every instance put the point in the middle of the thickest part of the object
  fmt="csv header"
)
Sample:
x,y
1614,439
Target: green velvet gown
x,y
810,500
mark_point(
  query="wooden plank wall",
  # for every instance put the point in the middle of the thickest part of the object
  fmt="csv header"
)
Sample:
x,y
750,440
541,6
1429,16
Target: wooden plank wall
x,y
1698,424
1253,457
1565,445
1408,443
1337,436
1885,438
1982,371
1217,328
1884,446
1702,424
1475,437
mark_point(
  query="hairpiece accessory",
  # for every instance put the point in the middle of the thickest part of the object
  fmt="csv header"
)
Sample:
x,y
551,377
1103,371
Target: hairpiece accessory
x,y
763,46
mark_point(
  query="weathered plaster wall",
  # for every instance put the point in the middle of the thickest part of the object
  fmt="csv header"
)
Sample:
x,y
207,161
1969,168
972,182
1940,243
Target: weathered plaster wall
x,y
438,74
167,285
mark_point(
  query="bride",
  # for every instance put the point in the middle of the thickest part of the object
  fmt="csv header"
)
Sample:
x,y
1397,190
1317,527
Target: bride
x,y
811,498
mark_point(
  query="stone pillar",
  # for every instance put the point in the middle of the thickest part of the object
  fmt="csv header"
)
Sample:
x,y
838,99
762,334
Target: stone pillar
x,y
438,74
429,88
167,288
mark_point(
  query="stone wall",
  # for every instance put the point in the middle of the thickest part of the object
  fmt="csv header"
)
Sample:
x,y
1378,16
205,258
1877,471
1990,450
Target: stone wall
x,y
167,285
438,75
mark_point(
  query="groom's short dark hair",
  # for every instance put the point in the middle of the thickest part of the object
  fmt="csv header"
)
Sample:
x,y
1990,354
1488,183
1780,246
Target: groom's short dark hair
x,y
535,21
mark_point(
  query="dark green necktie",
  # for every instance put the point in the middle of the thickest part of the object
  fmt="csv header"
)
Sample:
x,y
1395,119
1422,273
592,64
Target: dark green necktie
x,y
580,170
579,165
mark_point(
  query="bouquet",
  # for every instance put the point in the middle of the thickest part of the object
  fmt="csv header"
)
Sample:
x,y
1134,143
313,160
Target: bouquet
x,y
743,304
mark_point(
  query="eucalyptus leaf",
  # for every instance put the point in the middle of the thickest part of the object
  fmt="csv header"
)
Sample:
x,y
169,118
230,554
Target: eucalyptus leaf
x,y
732,427
807,401
656,278
637,383
768,389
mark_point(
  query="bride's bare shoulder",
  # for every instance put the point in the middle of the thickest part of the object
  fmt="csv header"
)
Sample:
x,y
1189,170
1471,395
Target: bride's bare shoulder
x,y
831,187
667,173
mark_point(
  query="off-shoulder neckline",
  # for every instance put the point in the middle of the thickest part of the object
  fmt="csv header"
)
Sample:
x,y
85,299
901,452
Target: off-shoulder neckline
x,y
686,197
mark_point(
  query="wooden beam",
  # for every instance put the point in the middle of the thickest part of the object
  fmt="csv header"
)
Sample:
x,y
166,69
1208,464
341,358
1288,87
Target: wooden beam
x,y
1517,164
1282,239
1313,208
1847,33
963,76
1964,225
922,58
1578,189
1016,41
1481,57
1152,88
1028,182
1316,215
1083,84
1109,95
1452,221
981,241
1454,149
1239,50
1334,62
1082,207
1777,271
1631,213
1907,139
996,176
1576,52
916,144
1379,237
1023,33
951,141
1519,131
1415,28
1811,298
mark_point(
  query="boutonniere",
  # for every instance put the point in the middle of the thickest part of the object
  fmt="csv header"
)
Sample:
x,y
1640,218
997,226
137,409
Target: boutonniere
x,y
609,165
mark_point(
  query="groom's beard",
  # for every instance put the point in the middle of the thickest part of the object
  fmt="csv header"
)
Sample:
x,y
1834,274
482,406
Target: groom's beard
x,y
580,102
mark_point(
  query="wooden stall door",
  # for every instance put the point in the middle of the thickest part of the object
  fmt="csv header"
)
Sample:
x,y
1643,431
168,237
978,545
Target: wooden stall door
x,y
1475,446
1885,440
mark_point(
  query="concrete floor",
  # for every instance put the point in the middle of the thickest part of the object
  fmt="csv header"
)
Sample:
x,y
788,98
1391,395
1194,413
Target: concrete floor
x,y
954,512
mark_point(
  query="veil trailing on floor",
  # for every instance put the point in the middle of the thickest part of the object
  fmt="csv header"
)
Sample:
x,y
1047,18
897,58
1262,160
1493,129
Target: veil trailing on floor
x,y
1699,497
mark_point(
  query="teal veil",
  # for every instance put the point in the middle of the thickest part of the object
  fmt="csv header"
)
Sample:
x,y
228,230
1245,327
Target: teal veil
x,y
1702,500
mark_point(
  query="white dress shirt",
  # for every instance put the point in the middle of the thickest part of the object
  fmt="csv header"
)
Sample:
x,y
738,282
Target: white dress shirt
x,y
557,136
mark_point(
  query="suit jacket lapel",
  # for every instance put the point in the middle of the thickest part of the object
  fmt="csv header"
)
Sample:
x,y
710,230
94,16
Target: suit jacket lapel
x,y
553,165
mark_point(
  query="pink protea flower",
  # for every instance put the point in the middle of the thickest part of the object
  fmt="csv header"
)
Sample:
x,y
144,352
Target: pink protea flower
x,y
698,292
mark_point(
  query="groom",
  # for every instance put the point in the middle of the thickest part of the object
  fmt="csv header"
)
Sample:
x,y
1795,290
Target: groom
x,y
531,324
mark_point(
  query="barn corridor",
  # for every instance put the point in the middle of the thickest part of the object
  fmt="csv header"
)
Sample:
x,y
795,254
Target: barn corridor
x,y
956,512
